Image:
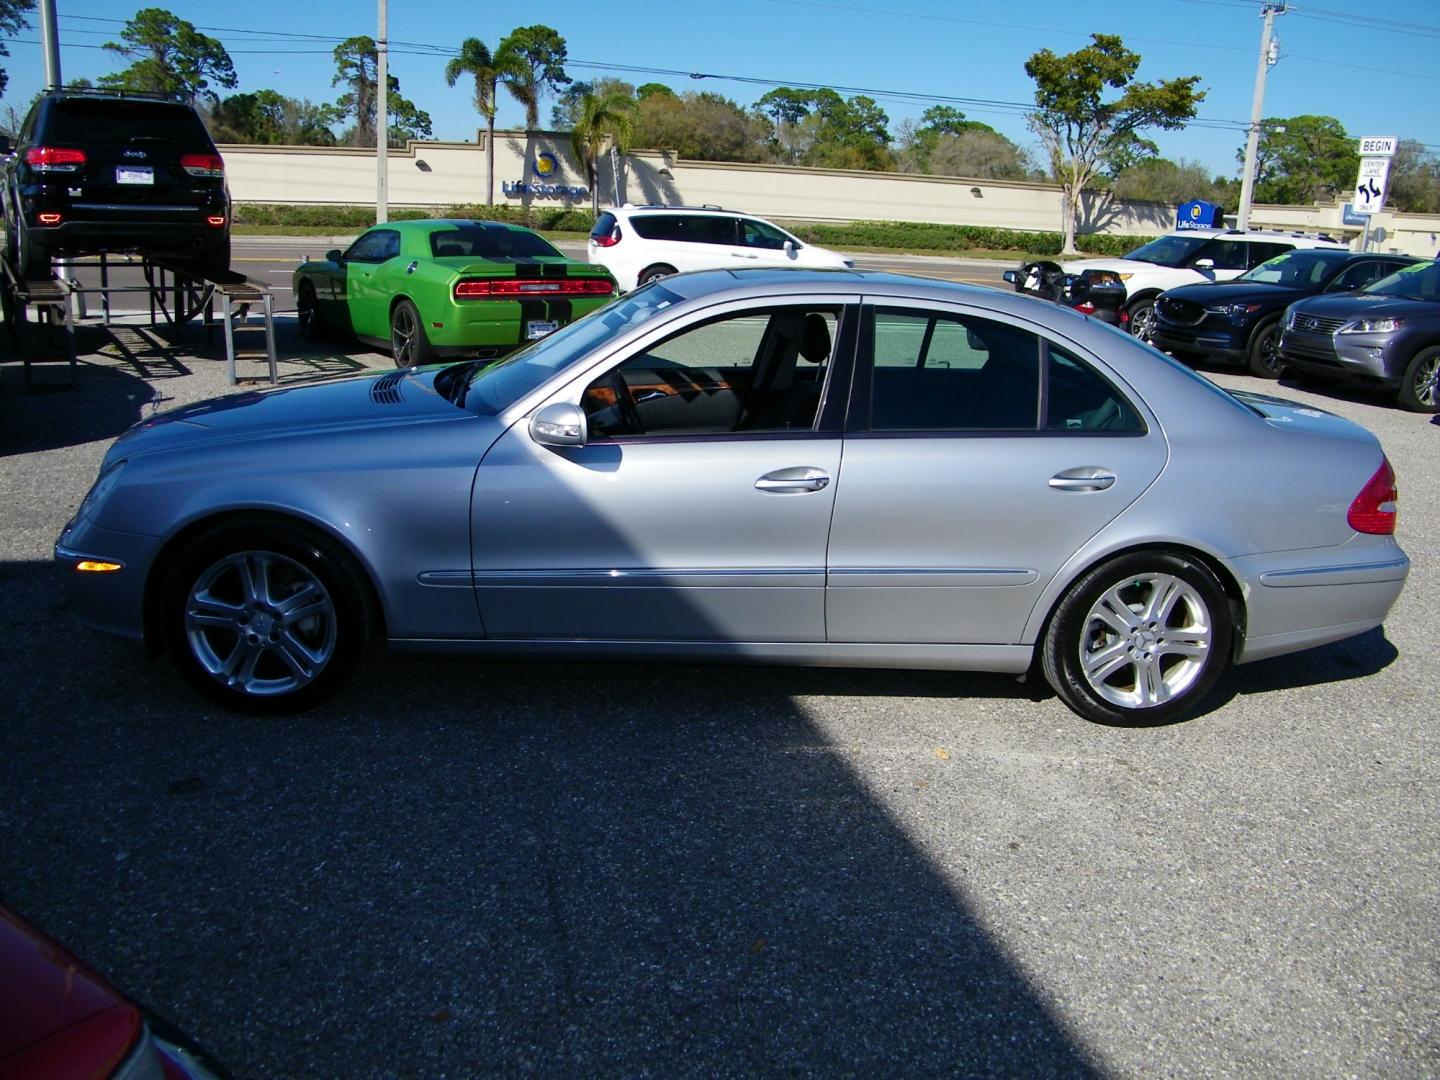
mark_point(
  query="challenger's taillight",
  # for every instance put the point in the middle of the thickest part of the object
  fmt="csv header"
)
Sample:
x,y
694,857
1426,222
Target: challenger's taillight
x,y
54,159
1375,508
203,164
523,288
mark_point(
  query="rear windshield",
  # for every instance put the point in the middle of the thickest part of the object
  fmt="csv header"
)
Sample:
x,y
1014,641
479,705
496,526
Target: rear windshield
x,y
603,224
102,121
490,242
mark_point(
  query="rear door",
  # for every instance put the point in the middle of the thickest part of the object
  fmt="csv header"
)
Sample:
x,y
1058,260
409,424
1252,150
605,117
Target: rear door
x,y
980,454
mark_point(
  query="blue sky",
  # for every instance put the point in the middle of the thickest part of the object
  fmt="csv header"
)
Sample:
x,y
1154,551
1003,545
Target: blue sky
x,y
1371,66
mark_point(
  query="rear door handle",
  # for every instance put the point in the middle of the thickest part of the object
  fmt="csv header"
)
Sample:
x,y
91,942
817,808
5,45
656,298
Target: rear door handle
x,y
1085,478
793,481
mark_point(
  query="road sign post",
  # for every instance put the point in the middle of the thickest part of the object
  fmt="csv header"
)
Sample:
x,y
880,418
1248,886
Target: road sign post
x,y
1376,152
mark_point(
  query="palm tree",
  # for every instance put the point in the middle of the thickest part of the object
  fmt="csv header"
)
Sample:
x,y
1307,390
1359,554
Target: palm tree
x,y
597,119
488,69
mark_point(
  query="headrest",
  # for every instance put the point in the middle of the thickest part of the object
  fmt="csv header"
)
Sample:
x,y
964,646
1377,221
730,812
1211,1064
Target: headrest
x,y
815,343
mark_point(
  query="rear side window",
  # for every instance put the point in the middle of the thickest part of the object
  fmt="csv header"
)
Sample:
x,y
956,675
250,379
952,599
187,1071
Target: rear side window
x,y
1260,253
108,121
686,228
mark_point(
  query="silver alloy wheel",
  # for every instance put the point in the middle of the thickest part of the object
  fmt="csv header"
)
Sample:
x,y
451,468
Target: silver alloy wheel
x,y
1427,380
260,623
1145,641
307,312
1142,320
403,328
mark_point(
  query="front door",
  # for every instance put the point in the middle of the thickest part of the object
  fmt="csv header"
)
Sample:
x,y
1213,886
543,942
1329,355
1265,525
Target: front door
x,y
981,457
700,506
367,292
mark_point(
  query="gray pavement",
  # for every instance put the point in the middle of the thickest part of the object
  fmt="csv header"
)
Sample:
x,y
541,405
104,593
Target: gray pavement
x,y
457,869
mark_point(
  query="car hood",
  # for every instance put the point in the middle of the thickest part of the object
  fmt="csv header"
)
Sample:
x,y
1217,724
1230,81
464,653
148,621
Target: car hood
x,y
1232,292
1297,416
1353,305
1120,266
370,401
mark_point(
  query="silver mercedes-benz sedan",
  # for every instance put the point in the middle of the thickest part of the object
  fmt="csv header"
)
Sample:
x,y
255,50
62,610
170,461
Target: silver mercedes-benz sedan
x,y
773,466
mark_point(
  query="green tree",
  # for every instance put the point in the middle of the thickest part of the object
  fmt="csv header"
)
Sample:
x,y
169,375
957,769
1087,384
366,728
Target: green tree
x,y
981,155
357,68
267,117
600,120
12,21
918,141
1303,159
1173,182
1414,184
477,61
533,58
819,127
650,89
170,56
566,109
1082,123
701,126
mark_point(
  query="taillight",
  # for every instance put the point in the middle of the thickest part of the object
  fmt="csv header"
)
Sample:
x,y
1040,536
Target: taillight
x,y
202,164
511,288
1085,306
609,239
1374,509
215,219
54,159
48,218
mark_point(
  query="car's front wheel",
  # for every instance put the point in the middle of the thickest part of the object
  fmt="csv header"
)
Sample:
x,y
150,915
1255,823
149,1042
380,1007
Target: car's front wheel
x,y
1420,387
307,313
265,617
1139,640
1142,319
1265,359
408,343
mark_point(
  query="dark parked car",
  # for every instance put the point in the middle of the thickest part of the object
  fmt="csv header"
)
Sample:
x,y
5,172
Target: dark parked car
x,y
1387,335
60,1019
1238,321
94,171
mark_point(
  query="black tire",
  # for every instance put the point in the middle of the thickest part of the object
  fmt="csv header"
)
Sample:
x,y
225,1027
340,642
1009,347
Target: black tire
x,y
258,647
1264,361
408,344
1420,388
32,258
1142,318
650,273
308,313
1116,665
214,264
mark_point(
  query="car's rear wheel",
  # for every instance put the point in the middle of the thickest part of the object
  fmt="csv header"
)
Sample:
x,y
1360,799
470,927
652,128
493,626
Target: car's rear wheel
x,y
214,264
1139,640
1142,319
1265,361
408,343
650,273
265,617
32,258
307,313
1420,388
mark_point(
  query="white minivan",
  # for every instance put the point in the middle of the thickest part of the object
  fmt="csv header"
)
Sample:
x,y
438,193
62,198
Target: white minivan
x,y
639,243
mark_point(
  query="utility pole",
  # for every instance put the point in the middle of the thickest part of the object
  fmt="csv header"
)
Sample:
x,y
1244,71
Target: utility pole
x,y
382,119
1268,55
50,44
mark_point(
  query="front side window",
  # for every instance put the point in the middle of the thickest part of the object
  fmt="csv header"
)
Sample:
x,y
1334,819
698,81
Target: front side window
x,y
375,246
1418,282
1225,254
760,371
761,234
941,372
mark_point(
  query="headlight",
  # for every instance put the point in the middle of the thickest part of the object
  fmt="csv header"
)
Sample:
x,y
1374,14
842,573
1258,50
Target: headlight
x,y
1372,326
1233,311
100,490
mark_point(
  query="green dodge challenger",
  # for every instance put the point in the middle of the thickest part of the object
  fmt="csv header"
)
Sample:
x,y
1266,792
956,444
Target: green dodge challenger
x,y
441,288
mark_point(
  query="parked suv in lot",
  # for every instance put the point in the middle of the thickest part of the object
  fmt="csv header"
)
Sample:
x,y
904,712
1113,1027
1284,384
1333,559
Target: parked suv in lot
x,y
98,171
640,243
1188,257
1386,335
1239,321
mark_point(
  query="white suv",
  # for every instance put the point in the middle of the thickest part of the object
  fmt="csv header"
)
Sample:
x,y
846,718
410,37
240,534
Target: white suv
x,y
1190,256
639,243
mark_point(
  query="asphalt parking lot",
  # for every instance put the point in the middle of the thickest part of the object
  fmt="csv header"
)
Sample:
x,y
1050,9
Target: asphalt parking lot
x,y
460,869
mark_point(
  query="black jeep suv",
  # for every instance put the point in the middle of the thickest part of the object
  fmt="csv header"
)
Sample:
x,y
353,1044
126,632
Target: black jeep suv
x,y
99,171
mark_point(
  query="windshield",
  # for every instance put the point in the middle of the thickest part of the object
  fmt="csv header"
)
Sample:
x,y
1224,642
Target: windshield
x,y
496,387
1169,250
1299,268
1418,282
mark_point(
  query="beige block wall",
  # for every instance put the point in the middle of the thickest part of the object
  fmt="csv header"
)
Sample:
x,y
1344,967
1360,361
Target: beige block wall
x,y
438,174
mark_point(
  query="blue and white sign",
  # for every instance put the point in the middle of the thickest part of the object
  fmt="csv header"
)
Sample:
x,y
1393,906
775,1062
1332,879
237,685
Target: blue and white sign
x,y
1199,214
546,167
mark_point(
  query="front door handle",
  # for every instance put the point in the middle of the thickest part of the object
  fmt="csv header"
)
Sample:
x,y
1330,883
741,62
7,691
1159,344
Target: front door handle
x,y
793,481
740,255
1086,478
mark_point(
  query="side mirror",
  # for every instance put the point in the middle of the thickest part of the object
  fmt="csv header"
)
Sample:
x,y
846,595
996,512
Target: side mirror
x,y
559,424
789,247
335,255
1012,276
1204,264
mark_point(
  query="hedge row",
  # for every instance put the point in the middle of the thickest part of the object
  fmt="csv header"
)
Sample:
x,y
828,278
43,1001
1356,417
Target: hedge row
x,y
359,217
903,235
